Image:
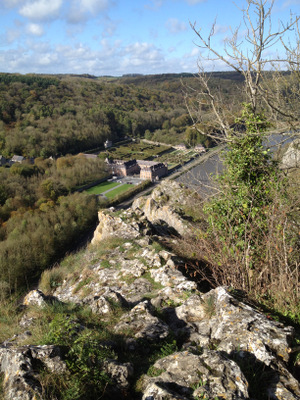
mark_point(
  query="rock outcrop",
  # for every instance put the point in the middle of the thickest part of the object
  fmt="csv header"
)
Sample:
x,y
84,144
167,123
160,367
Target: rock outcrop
x,y
188,344
21,367
162,204
291,158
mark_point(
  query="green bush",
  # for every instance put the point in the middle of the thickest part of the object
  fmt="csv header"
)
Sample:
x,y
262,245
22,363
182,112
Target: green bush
x,y
251,242
84,357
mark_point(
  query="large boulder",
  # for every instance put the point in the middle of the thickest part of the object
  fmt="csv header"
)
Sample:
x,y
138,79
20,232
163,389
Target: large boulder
x,y
111,225
186,375
162,205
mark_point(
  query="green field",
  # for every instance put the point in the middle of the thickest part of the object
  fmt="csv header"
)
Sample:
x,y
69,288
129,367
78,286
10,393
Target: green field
x,y
118,190
102,187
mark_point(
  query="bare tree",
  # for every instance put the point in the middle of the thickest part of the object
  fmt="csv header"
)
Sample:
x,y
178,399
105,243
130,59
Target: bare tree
x,y
270,82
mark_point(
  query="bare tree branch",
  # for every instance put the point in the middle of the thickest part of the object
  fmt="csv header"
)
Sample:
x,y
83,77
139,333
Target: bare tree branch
x,y
279,92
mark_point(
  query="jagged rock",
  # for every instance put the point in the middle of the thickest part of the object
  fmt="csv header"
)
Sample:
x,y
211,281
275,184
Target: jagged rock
x,y
110,225
185,374
168,275
133,273
234,325
50,356
125,227
37,298
142,323
105,304
118,372
21,365
217,319
160,206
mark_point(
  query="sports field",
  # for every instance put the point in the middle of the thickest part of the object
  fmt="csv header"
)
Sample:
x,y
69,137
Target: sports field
x,y
109,189
118,190
102,187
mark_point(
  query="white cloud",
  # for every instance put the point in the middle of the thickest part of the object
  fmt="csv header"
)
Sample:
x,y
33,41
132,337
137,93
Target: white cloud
x,y
175,26
195,52
221,29
110,58
12,34
110,27
140,57
41,9
35,29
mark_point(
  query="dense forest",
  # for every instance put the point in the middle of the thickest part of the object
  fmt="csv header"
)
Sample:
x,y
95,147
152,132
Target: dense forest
x,y
54,116
42,116
40,218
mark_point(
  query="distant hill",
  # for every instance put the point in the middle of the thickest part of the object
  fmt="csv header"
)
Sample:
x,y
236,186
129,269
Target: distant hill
x,y
44,115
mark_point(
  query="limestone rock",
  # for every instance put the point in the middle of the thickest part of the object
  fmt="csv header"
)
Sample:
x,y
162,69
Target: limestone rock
x,y
111,225
184,375
168,275
218,317
118,372
161,205
20,367
142,323
218,320
37,298
220,337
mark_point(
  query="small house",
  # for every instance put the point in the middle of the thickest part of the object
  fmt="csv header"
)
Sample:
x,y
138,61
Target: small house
x,y
16,159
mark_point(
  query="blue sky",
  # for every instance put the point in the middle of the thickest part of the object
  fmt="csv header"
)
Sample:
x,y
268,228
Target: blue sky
x,y
115,37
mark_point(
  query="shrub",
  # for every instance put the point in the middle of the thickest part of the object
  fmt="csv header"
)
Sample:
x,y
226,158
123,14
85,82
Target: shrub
x,y
252,238
84,357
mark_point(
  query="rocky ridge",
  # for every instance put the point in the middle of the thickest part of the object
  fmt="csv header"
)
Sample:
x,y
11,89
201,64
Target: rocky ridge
x,y
212,346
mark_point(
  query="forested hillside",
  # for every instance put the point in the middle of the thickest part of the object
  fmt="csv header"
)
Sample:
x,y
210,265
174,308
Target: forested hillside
x,y
44,116
56,115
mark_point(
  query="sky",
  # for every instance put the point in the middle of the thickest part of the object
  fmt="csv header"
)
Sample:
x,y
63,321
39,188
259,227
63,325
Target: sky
x,y
117,37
